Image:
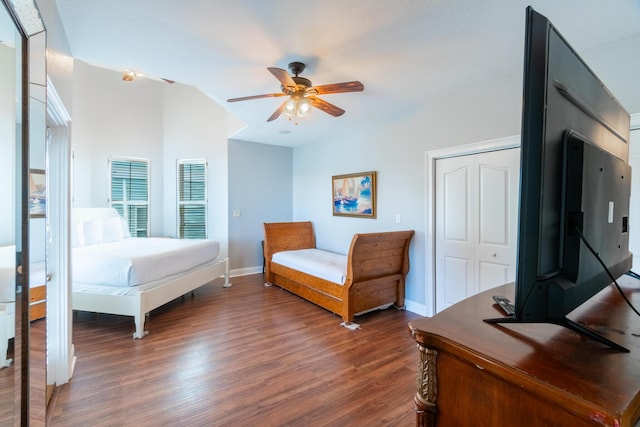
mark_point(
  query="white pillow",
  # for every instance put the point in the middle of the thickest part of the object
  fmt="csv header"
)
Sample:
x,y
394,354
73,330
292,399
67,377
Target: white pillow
x,y
125,228
111,229
77,233
92,232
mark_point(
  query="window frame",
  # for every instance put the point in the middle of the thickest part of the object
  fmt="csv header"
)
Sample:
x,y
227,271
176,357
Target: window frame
x,y
180,202
134,229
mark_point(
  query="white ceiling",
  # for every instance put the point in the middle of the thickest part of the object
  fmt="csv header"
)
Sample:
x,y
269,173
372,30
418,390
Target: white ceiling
x,y
407,53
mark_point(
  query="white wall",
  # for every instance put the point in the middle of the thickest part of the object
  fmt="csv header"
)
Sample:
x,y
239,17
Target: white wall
x,y
617,64
114,118
152,120
260,190
195,127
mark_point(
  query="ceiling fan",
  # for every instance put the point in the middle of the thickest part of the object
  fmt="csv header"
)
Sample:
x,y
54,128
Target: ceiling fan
x,y
302,94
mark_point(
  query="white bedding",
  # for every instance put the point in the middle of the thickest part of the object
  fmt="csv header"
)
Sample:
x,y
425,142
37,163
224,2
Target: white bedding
x,y
316,262
133,262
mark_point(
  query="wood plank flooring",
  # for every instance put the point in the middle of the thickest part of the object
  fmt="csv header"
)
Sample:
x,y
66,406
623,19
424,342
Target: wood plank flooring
x,y
248,355
10,387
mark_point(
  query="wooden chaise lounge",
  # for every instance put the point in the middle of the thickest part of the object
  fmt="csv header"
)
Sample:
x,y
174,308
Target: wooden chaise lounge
x,y
376,267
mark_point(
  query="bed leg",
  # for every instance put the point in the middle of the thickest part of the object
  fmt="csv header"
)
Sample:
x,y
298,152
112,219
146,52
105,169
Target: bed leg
x,y
4,338
226,274
350,325
140,332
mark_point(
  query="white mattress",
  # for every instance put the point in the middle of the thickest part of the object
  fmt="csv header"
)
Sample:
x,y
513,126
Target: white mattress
x,y
133,262
134,290
316,262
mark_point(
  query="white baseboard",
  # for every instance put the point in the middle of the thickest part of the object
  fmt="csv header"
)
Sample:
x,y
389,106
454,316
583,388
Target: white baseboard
x,y
416,308
245,271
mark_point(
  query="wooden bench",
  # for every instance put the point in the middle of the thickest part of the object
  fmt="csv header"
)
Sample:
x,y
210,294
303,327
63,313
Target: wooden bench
x,y
377,264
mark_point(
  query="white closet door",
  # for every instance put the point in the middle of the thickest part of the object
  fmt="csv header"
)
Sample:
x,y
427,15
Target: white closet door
x,y
476,223
454,215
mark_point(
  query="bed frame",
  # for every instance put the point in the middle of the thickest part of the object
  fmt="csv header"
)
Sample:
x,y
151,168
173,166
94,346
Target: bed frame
x,y
377,264
143,301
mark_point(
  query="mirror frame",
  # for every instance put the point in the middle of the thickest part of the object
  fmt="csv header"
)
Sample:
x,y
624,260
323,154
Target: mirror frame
x,y
28,23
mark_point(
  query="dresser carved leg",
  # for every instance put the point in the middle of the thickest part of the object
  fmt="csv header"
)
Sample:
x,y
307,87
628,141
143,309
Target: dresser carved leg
x,y
425,399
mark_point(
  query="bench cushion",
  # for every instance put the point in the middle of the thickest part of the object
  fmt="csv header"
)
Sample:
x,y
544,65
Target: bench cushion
x,y
315,262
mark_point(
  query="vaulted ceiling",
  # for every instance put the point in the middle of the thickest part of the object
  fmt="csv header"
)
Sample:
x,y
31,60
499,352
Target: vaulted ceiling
x,y
407,53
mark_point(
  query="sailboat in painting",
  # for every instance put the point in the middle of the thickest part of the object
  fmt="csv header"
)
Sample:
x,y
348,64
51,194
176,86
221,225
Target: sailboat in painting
x,y
353,195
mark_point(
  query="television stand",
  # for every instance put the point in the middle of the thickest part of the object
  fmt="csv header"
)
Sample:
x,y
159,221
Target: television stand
x,y
569,324
471,372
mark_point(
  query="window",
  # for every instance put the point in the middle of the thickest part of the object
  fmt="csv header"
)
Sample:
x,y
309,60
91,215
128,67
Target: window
x,y
129,192
192,199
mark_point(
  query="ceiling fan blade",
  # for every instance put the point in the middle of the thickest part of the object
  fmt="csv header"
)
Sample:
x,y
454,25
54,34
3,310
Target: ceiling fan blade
x,y
325,106
246,98
283,77
354,86
277,113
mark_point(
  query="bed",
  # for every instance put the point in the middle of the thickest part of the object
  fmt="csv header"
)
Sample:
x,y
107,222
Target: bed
x,y
370,277
115,274
7,301
37,295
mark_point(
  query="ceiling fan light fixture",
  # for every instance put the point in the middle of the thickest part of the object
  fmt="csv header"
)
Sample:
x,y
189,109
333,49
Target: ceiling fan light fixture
x,y
296,107
290,107
304,107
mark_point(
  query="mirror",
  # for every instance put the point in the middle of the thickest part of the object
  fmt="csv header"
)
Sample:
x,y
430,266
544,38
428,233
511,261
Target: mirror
x,y
10,142
22,148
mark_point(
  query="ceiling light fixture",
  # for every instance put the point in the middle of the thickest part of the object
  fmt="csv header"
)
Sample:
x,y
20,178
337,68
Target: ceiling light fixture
x,y
128,75
297,106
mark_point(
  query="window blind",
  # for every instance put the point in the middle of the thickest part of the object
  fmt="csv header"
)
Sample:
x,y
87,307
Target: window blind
x,y
130,193
192,199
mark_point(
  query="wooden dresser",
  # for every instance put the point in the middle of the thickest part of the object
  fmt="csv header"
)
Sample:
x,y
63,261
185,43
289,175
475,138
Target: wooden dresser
x,y
472,373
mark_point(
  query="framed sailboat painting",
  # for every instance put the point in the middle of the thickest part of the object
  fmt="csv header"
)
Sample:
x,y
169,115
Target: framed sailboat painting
x,y
37,193
354,195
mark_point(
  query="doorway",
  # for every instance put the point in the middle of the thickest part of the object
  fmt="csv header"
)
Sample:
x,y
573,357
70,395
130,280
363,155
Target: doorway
x,y
476,223
486,260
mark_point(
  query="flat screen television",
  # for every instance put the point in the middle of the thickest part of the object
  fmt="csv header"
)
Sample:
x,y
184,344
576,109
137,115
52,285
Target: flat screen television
x,y
575,183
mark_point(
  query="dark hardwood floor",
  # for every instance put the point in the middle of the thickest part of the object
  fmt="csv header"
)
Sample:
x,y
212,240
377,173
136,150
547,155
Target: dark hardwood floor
x,y
248,355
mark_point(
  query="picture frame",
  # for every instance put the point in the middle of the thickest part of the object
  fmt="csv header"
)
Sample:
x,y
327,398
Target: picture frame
x,y
37,193
354,194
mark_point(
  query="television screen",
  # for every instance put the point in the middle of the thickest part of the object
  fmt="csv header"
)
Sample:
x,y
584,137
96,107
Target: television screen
x,y
574,182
